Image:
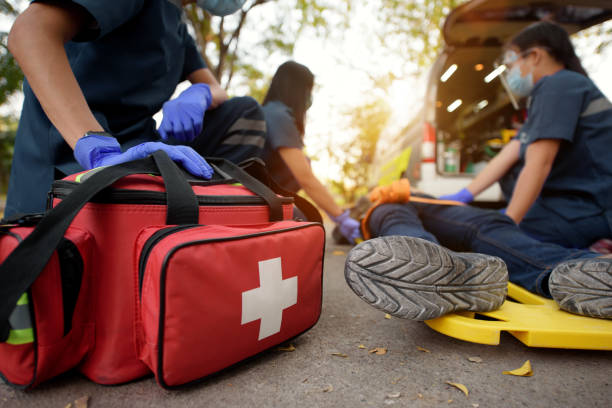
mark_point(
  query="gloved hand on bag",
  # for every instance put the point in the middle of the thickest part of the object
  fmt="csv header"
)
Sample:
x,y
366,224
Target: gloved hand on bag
x,y
463,196
184,115
93,151
349,227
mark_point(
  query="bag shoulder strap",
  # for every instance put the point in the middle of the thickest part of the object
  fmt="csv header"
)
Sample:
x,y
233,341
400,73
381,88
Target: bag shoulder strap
x,y
21,268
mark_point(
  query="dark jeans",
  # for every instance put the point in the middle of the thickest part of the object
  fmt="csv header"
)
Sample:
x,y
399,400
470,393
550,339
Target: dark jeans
x,y
465,228
235,130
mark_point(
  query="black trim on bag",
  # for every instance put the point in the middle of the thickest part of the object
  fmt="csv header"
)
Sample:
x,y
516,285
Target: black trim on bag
x,y
150,243
61,189
34,331
162,305
71,273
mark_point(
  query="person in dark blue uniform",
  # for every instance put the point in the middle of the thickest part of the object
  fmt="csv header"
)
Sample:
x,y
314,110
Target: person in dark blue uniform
x,y
416,267
284,107
96,73
563,191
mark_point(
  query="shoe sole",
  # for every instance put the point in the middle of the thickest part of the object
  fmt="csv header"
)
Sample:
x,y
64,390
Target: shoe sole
x,y
583,287
416,279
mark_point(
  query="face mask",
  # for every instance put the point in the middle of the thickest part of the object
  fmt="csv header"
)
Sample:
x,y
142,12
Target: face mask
x,y
521,86
220,7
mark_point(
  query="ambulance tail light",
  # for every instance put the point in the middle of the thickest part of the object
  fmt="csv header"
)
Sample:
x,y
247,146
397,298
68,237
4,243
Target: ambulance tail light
x,y
428,147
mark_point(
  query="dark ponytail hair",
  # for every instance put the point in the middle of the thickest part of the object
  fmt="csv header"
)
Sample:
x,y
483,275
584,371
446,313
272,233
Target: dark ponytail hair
x,y
555,39
292,84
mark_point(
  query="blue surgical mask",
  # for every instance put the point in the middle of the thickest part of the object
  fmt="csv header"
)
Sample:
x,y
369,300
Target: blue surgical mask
x,y
220,7
520,85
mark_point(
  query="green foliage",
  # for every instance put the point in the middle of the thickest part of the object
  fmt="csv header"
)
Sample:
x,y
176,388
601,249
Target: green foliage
x,y
233,58
8,129
11,77
414,28
367,121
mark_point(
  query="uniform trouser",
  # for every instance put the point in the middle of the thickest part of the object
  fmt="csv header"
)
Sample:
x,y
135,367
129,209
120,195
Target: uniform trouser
x,y
465,228
235,130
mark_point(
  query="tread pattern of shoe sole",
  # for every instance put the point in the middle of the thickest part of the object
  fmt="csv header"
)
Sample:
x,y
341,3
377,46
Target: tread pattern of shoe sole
x,y
583,287
415,279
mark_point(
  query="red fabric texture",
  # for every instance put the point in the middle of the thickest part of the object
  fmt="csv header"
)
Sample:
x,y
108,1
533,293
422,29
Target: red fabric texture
x,y
52,353
115,358
199,299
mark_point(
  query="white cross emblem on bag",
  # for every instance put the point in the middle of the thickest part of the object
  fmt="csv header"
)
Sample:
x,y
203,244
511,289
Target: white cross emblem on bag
x,y
268,301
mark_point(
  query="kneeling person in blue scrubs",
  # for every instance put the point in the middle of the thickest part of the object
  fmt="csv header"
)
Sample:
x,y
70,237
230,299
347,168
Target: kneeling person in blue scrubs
x,y
96,73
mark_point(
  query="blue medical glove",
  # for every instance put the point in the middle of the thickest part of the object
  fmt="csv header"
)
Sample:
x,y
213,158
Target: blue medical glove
x,y
349,227
184,115
463,196
97,150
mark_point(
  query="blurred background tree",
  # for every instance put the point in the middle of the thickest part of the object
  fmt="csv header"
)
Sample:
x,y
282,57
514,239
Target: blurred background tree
x,y
11,80
240,63
367,122
413,29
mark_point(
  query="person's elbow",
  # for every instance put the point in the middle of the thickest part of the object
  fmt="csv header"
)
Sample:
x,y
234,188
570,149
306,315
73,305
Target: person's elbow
x,y
17,37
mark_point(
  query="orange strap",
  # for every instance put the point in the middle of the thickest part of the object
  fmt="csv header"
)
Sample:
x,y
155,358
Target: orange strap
x,y
396,192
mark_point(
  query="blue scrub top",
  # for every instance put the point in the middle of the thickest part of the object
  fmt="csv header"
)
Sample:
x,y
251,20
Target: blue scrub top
x,y
282,132
128,63
569,107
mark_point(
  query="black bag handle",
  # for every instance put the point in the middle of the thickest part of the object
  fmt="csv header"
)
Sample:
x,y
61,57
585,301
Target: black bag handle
x,y
251,183
21,268
257,168
183,207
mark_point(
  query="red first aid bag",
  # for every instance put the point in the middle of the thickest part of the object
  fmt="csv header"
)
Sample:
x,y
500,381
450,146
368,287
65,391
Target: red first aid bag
x,y
131,221
49,330
213,295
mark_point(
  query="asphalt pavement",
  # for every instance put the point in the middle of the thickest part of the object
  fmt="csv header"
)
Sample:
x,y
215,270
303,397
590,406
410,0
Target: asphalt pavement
x,y
334,365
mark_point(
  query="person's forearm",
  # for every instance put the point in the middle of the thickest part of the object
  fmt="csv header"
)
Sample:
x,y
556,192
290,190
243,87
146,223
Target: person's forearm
x,y
539,159
205,76
37,42
321,196
496,168
526,191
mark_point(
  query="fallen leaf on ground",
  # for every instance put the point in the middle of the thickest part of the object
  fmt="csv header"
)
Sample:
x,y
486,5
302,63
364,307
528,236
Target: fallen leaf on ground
x,y
423,349
378,350
288,348
459,386
420,395
387,316
339,355
361,346
449,401
475,359
81,402
67,406
329,388
338,252
394,395
524,371
475,405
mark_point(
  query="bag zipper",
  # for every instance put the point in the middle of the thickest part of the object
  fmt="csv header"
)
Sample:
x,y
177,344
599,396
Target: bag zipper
x,y
62,188
162,293
150,243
